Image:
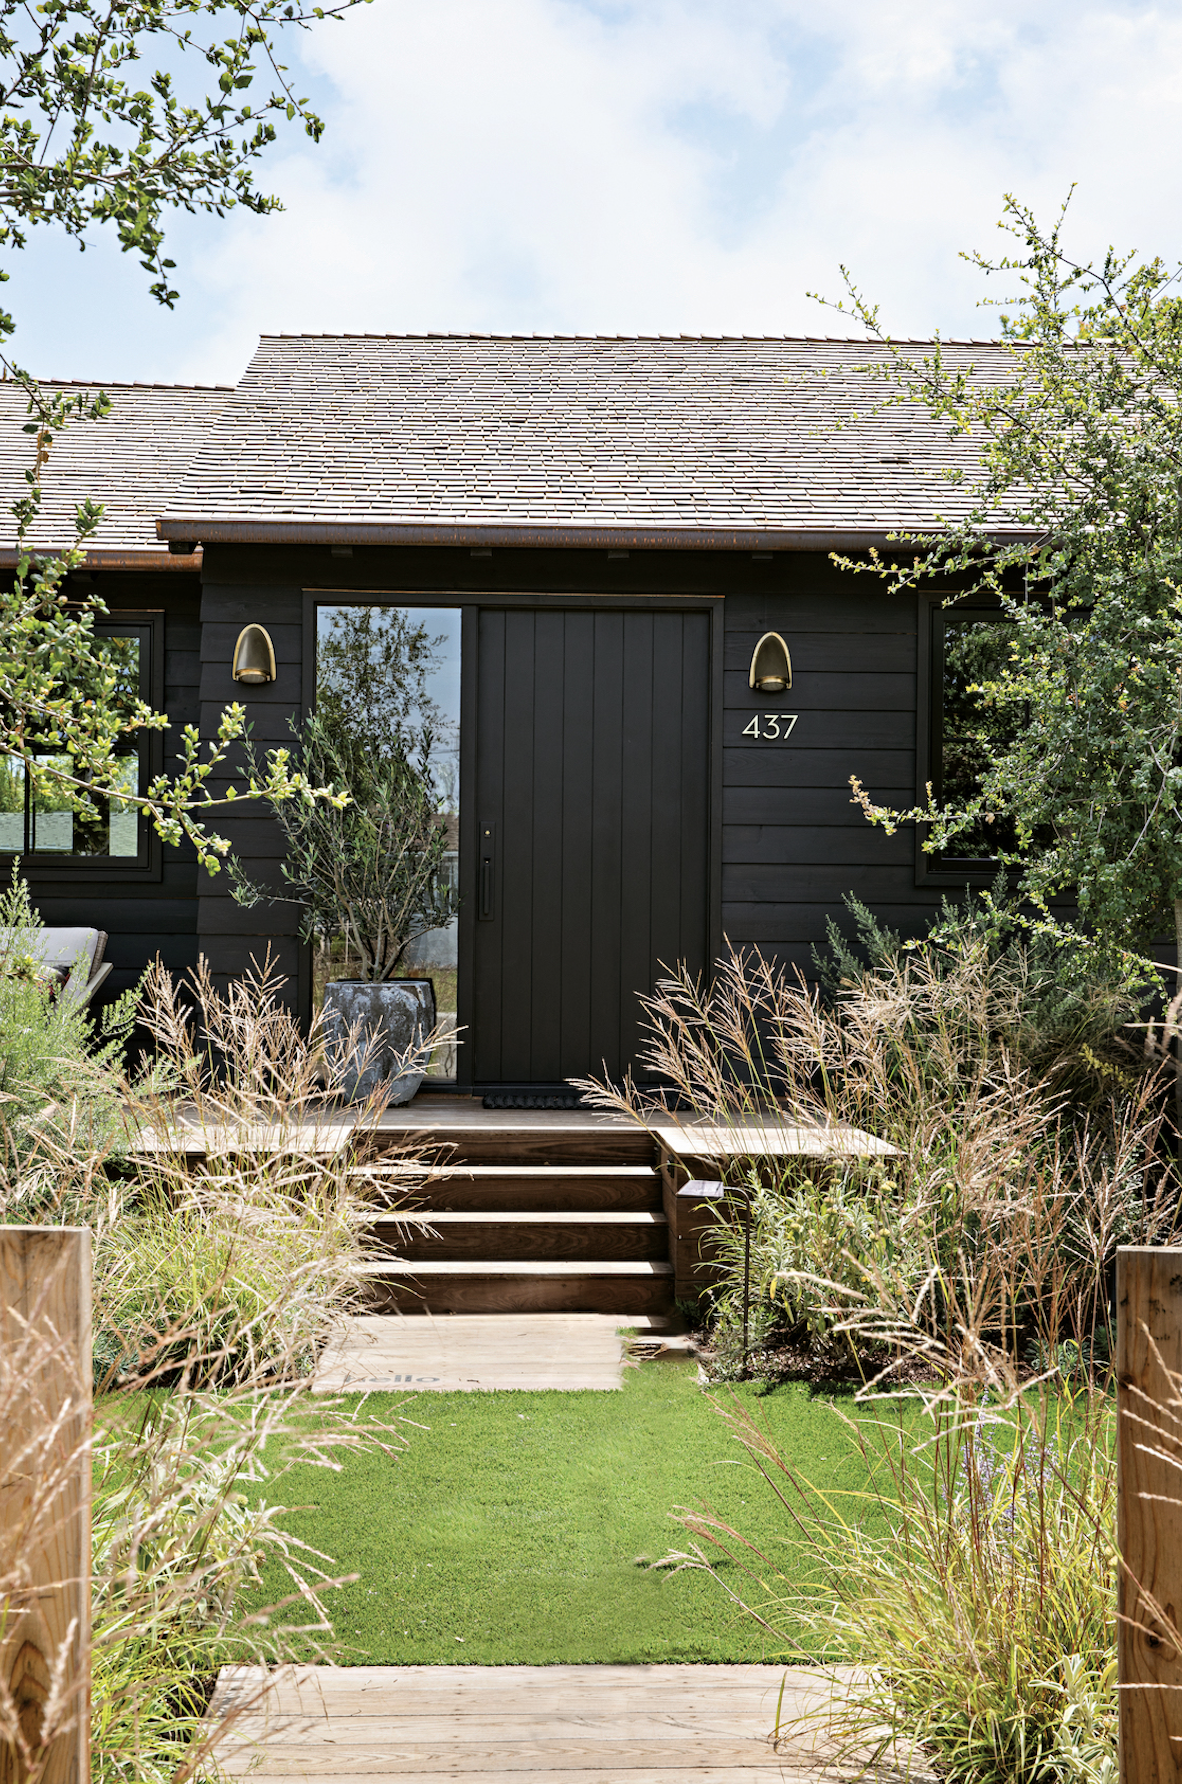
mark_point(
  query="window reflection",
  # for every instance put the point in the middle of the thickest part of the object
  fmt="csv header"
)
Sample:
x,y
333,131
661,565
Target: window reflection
x,y
42,814
975,649
390,676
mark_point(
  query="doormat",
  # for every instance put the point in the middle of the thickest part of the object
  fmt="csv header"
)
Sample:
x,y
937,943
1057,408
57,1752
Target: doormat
x,y
508,1099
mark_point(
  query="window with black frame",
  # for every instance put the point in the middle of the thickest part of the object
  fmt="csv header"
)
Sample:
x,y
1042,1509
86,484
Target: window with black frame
x,y
969,647
44,820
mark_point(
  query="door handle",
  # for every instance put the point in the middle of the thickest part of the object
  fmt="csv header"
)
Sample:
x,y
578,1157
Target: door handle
x,y
487,870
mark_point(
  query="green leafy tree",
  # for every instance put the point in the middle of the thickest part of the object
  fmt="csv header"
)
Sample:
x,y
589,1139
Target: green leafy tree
x,y
372,870
85,141
1076,743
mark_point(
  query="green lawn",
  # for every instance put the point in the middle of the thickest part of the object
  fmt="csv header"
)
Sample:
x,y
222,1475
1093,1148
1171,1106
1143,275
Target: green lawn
x,y
519,1527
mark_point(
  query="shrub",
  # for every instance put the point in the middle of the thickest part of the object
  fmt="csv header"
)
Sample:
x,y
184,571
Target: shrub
x,y
228,1239
994,1226
230,1230
59,1079
1059,1013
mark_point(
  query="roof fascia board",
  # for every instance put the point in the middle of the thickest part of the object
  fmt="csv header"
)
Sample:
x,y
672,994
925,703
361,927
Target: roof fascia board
x,y
150,558
295,532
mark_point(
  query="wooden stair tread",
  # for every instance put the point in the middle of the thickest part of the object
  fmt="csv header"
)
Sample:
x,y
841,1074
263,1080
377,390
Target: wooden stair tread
x,y
517,1267
529,1217
440,1173
543,1171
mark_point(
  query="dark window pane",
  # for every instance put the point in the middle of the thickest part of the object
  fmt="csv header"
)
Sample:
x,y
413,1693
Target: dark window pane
x,y
975,649
12,805
48,817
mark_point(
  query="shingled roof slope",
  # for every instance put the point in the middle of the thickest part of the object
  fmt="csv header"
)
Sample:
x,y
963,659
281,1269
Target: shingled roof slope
x,y
452,438
130,461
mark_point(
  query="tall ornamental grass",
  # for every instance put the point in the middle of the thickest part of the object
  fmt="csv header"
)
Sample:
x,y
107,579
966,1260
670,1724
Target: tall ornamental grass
x,y
971,1585
987,1237
964,1600
229,1229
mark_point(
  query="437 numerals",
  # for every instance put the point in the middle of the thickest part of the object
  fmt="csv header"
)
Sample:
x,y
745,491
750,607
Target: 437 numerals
x,y
771,727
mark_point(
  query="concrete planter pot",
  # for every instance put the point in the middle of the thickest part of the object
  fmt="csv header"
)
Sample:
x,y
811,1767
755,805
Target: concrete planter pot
x,y
398,1013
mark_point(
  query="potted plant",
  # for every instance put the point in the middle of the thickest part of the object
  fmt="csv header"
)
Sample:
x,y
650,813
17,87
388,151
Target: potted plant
x,y
371,870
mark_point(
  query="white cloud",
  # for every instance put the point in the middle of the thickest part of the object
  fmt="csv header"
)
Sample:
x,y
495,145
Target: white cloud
x,y
669,165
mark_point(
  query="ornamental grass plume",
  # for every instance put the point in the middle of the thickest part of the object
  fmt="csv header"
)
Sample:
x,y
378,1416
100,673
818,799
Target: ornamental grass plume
x,y
990,1233
229,1239
963,1603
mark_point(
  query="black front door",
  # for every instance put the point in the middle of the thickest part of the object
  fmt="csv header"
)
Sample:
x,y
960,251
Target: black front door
x,y
591,842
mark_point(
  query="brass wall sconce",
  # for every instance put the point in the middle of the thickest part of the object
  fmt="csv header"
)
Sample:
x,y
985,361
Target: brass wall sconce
x,y
254,655
771,665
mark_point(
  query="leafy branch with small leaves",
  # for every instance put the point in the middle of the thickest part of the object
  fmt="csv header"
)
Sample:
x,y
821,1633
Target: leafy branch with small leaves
x,y
85,142
68,715
1074,530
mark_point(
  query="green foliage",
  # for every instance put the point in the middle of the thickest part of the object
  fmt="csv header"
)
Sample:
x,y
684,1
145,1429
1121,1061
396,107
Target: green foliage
x,y
227,1244
993,1223
224,1271
815,1245
372,869
59,1083
70,720
972,1586
83,143
183,1524
1079,448
1051,1006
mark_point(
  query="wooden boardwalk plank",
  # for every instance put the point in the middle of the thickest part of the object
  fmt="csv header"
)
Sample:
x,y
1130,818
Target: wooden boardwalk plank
x,y
461,1353
579,1724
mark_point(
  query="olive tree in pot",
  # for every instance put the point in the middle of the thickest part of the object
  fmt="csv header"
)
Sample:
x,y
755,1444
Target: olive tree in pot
x,y
372,871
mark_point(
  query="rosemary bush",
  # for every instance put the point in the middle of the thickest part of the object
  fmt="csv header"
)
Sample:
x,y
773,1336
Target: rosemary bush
x,y
59,1069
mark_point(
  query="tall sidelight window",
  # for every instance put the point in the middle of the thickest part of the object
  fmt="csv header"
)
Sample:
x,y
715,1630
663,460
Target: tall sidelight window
x,y
45,821
969,646
390,675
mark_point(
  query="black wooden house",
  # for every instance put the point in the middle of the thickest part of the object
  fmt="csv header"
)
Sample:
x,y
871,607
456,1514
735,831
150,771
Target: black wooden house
x,y
607,529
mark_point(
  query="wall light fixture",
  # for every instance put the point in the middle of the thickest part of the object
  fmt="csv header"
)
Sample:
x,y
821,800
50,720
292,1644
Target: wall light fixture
x,y
254,655
771,665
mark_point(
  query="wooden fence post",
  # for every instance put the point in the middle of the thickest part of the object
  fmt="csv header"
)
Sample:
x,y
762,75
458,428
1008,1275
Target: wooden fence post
x,y
45,1566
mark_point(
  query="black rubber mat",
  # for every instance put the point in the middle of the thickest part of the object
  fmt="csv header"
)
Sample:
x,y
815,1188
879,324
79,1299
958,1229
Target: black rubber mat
x,y
511,1100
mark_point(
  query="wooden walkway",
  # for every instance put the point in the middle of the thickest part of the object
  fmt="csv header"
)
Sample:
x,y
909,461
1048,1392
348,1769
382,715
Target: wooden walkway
x,y
541,1724
466,1352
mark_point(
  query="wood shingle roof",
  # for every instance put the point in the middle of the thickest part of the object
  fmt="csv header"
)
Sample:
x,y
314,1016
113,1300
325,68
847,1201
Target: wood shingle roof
x,y
569,440
130,461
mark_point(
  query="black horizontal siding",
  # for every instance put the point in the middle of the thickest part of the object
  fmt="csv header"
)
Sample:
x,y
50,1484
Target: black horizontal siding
x,y
235,937
794,845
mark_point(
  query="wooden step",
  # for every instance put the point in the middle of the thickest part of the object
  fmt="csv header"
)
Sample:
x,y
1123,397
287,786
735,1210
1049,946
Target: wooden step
x,y
521,1285
522,1233
595,1187
579,1141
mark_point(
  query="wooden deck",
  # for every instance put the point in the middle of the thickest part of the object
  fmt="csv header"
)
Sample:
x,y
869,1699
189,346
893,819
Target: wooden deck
x,y
547,1724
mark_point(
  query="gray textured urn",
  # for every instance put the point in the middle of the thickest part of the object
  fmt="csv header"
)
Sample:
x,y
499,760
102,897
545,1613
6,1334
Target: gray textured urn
x,y
398,1013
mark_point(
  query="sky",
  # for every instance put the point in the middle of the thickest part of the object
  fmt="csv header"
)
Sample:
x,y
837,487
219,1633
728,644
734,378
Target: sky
x,y
659,166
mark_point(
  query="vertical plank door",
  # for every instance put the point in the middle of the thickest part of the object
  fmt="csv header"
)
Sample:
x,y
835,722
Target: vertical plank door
x,y
592,792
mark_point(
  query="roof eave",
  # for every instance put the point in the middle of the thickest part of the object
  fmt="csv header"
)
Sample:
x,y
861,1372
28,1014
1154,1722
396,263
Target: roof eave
x,y
147,557
222,531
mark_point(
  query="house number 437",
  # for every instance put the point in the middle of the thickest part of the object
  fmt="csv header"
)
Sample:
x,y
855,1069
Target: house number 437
x,y
771,726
